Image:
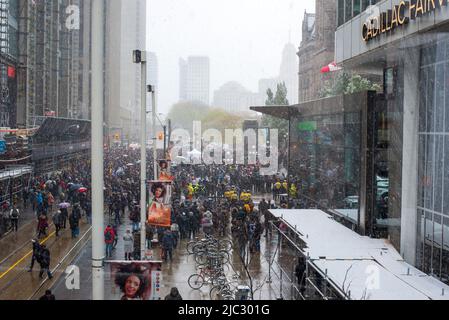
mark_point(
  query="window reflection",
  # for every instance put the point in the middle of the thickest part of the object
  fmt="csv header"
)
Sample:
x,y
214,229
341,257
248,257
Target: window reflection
x,y
433,166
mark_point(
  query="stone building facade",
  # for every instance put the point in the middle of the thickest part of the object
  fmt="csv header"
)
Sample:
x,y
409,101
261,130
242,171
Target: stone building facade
x,y
317,48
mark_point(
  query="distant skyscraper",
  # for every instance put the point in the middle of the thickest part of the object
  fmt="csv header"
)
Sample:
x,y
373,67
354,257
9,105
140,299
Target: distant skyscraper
x,y
233,97
126,25
287,74
194,79
182,79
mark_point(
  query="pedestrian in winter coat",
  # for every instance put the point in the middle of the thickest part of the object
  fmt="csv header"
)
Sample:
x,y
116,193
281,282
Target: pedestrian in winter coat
x,y
44,262
36,253
174,295
74,222
109,237
64,217
42,225
167,245
14,217
57,221
49,296
128,240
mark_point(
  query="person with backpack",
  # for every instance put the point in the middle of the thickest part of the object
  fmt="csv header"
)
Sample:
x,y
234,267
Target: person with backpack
x,y
14,217
109,237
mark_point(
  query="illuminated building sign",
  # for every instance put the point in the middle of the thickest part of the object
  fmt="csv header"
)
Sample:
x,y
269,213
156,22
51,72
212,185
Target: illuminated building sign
x,y
399,16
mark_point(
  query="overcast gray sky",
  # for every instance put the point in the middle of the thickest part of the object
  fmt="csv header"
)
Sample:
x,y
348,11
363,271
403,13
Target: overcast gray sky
x,y
243,39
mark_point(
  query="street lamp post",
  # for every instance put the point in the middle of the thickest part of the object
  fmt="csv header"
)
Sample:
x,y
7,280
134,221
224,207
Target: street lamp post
x,y
141,57
152,89
98,252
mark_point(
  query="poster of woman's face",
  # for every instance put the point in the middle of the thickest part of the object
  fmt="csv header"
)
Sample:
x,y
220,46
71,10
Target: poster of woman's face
x,y
160,191
159,208
164,174
133,280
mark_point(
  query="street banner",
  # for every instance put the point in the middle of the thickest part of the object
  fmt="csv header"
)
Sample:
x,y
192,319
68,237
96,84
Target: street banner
x,y
164,171
156,276
159,207
136,280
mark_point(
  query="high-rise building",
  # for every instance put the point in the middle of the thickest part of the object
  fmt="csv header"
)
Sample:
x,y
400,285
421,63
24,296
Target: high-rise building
x,y
126,25
8,62
53,56
194,79
53,60
233,97
287,74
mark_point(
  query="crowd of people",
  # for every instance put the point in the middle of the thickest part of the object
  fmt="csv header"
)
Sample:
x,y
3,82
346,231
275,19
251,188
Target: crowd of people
x,y
213,199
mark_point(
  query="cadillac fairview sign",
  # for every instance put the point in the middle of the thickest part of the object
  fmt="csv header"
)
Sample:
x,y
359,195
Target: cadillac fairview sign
x,y
399,16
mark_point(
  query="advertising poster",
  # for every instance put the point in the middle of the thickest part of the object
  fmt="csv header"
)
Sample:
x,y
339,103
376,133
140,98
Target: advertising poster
x,y
159,206
156,276
136,280
164,171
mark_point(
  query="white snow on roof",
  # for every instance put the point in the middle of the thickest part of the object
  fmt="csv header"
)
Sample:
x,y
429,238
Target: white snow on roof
x,y
375,269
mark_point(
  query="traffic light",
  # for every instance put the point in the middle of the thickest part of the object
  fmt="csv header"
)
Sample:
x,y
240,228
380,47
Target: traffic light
x,y
160,136
137,56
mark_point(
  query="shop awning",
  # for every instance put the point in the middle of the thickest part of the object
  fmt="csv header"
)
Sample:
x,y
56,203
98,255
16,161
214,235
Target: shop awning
x,y
283,112
371,269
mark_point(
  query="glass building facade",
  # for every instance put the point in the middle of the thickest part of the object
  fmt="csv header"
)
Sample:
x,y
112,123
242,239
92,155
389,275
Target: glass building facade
x,y
326,159
433,160
8,62
348,9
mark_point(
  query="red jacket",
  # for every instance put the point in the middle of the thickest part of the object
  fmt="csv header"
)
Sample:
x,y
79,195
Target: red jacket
x,y
111,240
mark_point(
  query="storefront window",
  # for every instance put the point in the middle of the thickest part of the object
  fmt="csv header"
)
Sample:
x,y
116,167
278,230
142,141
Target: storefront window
x,y
356,8
433,198
365,4
348,10
341,12
326,159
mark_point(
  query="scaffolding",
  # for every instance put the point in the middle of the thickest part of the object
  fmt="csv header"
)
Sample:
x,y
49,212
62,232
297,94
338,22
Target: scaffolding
x,y
50,55
4,27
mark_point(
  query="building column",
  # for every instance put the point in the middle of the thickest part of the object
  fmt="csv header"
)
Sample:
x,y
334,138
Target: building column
x,y
409,215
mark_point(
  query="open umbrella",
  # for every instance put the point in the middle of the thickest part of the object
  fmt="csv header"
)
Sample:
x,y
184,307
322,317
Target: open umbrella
x,y
130,165
75,187
82,190
64,205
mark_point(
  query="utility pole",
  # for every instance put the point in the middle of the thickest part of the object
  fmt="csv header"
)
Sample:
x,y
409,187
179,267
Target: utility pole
x,y
165,141
98,247
141,57
153,95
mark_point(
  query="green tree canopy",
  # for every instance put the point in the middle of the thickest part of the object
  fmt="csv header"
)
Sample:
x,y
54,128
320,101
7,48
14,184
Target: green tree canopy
x,y
278,99
347,84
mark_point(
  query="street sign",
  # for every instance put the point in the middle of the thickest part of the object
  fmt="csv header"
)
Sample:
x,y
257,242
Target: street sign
x,y
307,126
